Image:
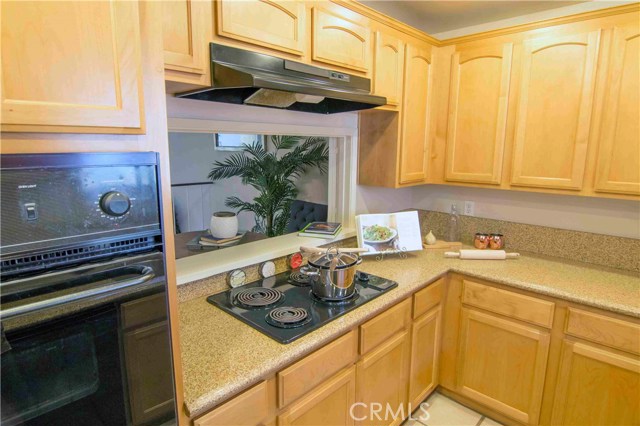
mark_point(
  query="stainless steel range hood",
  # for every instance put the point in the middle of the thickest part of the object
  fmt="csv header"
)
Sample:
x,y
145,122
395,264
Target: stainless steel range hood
x,y
242,77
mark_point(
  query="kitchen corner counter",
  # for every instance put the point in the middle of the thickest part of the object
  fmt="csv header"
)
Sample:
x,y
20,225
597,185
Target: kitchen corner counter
x,y
221,355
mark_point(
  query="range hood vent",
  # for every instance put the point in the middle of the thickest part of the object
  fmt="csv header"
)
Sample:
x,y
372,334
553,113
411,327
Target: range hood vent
x,y
242,77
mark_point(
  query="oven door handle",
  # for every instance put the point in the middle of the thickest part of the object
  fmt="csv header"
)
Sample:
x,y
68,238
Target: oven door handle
x,y
146,274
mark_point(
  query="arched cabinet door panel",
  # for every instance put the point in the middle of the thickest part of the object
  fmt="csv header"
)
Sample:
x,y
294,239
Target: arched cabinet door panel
x,y
554,111
276,24
388,67
415,114
340,41
618,166
478,103
71,67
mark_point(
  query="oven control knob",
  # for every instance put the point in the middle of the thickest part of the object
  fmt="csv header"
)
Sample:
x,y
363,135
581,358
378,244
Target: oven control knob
x,y
115,203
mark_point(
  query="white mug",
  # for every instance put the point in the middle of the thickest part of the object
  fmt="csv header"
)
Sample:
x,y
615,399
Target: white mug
x,y
224,225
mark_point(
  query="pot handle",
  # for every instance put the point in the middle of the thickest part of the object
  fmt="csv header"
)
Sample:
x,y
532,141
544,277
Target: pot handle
x,y
308,271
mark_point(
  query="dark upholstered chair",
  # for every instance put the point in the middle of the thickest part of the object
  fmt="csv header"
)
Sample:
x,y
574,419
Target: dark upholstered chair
x,y
304,212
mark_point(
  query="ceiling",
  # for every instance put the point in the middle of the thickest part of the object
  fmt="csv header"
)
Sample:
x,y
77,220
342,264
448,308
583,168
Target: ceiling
x,y
438,16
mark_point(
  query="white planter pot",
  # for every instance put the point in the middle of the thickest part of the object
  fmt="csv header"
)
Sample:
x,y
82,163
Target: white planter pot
x,y
224,225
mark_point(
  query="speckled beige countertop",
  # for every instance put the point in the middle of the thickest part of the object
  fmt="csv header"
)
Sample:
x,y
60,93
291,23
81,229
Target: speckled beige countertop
x,y
221,356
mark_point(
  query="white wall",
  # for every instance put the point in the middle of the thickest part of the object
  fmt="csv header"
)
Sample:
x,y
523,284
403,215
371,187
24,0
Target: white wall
x,y
598,215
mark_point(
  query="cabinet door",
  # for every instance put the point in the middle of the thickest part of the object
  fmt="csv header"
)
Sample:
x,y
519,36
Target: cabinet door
x,y
185,43
554,111
382,379
235,412
387,71
478,114
425,348
596,387
150,383
415,114
339,41
618,167
328,404
502,364
71,66
276,24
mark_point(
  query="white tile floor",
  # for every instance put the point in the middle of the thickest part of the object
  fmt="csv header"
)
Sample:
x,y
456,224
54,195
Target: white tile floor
x,y
443,411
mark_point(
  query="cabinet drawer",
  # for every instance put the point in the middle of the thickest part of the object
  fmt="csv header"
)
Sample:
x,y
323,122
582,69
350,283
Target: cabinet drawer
x,y
296,380
607,331
249,408
510,304
143,311
385,325
427,298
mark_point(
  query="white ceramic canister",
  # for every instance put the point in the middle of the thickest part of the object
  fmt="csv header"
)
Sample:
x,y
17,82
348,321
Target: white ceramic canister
x,y
224,225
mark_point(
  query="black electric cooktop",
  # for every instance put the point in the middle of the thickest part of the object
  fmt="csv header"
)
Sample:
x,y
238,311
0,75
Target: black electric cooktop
x,y
283,307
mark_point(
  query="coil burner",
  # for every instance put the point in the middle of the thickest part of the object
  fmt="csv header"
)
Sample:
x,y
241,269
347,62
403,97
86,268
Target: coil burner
x,y
257,297
299,279
288,317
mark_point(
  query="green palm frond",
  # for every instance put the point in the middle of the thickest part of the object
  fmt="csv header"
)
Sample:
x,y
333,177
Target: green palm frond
x,y
273,177
284,142
235,165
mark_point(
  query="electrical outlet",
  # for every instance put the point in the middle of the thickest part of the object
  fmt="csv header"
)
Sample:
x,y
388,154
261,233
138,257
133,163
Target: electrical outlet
x,y
469,208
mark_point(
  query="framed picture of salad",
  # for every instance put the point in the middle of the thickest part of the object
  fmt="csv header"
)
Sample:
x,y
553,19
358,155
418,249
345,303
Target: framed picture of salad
x,y
389,232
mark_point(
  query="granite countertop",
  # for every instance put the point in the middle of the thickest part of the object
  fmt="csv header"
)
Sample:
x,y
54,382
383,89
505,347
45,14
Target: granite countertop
x,y
221,355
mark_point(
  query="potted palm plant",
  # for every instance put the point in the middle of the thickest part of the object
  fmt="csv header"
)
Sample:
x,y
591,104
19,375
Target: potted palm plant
x,y
272,174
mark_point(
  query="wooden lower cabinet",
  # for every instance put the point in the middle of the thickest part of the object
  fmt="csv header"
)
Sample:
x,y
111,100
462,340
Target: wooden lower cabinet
x,y
382,383
596,386
328,404
425,355
252,407
502,364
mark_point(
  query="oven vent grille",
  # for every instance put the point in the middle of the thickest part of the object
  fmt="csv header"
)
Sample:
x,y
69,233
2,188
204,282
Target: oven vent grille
x,y
37,262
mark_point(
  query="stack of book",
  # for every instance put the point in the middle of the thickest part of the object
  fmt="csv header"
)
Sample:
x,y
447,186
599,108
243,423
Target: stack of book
x,y
210,241
206,241
328,230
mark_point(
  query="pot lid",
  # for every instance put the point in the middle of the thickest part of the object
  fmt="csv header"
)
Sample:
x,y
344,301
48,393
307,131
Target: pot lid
x,y
323,260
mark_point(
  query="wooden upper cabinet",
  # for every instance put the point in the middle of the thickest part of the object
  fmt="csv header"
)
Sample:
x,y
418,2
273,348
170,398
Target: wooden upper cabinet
x,y
340,41
71,66
183,30
479,95
415,114
618,165
276,24
596,387
388,67
554,111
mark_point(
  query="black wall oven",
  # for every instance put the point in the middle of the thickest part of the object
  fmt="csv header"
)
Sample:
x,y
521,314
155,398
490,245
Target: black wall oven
x,y
85,329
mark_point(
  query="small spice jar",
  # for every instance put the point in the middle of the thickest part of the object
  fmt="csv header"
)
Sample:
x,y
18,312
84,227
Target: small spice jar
x,y
481,241
496,241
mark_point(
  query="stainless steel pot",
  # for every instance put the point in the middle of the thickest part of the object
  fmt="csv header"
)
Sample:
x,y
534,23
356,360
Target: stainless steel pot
x,y
332,274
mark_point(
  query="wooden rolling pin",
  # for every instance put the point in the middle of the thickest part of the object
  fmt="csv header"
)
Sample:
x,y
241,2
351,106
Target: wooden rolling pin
x,y
481,254
340,250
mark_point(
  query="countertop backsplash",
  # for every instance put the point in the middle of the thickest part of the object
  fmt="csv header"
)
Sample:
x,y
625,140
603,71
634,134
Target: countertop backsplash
x,y
605,250
597,249
218,283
